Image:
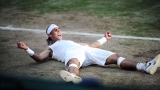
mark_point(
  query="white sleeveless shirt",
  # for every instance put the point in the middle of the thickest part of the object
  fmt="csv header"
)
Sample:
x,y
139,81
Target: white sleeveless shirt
x,y
61,47
64,50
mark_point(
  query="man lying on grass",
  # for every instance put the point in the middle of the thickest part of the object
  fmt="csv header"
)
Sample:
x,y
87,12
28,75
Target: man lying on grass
x,y
76,55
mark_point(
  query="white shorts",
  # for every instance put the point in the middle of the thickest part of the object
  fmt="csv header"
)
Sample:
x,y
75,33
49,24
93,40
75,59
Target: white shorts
x,y
88,56
76,53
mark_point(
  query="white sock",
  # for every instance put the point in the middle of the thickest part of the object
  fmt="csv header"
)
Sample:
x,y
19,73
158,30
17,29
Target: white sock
x,y
140,66
72,74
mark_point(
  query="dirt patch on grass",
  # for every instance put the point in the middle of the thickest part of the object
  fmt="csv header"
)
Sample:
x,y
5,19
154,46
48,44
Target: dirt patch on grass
x,y
72,21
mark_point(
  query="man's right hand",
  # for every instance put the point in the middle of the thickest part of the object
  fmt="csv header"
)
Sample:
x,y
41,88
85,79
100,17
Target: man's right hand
x,y
22,45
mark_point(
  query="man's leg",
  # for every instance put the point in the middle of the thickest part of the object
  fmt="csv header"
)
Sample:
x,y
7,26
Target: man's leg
x,y
72,71
73,66
149,67
122,62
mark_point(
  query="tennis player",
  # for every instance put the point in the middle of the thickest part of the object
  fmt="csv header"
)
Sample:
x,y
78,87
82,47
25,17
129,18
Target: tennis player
x,y
76,55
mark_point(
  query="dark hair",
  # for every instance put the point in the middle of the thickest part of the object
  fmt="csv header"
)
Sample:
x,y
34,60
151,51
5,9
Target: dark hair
x,y
47,29
49,41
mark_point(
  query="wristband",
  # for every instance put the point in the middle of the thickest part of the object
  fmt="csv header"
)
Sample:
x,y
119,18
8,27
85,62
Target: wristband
x,y
102,40
30,52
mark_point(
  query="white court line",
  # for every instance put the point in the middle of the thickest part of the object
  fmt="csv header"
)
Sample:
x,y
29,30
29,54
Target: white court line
x,y
78,33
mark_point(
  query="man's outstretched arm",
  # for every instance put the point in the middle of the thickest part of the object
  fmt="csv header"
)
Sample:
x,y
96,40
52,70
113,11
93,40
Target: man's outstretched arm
x,y
98,43
42,56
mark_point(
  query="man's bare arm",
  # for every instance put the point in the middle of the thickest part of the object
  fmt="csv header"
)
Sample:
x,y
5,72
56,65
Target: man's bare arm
x,y
42,56
98,43
95,44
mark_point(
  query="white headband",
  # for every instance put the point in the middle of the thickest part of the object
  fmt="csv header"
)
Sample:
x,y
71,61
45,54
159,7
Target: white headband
x,y
50,28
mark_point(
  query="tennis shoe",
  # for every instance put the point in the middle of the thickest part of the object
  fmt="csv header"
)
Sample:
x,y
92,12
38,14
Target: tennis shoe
x,y
157,60
69,77
152,65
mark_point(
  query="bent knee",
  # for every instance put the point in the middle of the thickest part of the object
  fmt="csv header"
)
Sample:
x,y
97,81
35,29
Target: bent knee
x,y
73,61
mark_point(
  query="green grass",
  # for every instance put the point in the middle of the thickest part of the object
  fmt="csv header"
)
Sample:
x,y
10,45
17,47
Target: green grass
x,y
142,16
100,8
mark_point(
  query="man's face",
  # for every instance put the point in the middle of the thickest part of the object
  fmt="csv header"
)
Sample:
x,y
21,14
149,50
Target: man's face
x,y
56,34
